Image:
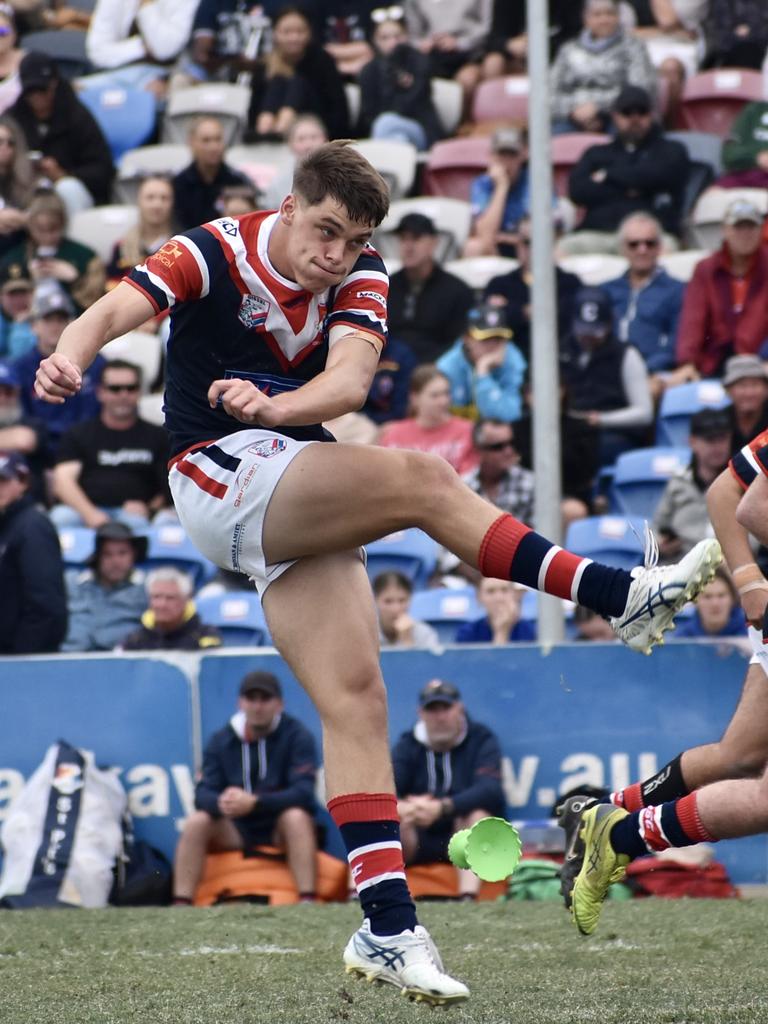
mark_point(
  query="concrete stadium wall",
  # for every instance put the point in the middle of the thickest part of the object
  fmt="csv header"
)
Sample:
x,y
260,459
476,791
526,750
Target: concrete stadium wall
x,y
573,715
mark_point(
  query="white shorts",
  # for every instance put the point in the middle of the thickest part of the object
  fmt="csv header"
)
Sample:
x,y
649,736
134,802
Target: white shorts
x,y
759,649
221,492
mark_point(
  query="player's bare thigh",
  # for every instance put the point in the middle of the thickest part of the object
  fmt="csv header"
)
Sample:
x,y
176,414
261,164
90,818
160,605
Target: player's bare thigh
x,y
336,496
745,741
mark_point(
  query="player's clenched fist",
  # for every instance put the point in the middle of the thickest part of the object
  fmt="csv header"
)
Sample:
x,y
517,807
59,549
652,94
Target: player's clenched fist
x,y
57,379
244,401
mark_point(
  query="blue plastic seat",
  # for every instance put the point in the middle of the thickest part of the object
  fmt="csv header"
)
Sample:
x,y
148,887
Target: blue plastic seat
x,y
410,552
445,609
238,616
77,543
607,539
640,477
169,545
126,116
678,404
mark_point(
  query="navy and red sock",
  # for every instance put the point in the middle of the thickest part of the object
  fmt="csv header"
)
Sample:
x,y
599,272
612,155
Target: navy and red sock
x,y
653,829
667,784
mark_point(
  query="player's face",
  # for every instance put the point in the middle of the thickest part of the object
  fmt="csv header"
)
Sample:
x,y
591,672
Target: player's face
x,y
322,243
116,561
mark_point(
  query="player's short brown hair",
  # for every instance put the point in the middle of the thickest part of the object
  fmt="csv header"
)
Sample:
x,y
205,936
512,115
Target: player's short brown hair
x,y
338,170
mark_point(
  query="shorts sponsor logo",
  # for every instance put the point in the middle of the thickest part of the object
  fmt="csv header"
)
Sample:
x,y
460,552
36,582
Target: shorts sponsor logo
x,y
68,778
244,484
376,296
237,544
253,311
266,449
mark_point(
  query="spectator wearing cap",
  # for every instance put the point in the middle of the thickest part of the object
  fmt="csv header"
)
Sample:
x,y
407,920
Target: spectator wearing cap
x,y
485,367
447,777
638,170
113,466
51,311
106,600
427,306
49,255
20,434
257,787
33,606
75,156
16,337
171,622
501,197
681,518
746,383
646,300
514,289
432,427
396,88
606,380
724,310
590,71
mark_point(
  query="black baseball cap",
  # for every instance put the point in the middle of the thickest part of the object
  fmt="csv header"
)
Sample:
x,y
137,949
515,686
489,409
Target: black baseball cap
x,y
710,423
488,321
416,224
633,98
593,314
37,71
438,692
15,277
261,682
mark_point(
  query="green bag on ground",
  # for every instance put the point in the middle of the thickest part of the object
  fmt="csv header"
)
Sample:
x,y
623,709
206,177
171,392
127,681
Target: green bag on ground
x,y
540,880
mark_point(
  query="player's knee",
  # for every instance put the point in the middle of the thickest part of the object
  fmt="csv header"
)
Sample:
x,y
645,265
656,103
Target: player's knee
x,y
430,477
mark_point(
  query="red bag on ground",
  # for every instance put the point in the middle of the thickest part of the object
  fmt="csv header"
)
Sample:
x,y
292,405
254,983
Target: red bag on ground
x,y
670,879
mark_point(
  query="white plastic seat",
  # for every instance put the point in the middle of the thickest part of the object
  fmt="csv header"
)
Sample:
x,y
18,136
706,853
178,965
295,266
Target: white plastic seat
x,y
162,158
140,348
102,226
477,271
594,268
451,217
707,218
227,102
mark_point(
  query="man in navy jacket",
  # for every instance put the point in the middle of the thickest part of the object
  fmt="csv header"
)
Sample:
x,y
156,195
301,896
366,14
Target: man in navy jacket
x,y
257,787
447,776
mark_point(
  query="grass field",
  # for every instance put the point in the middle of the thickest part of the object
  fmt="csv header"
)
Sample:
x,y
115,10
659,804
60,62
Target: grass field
x,y
651,962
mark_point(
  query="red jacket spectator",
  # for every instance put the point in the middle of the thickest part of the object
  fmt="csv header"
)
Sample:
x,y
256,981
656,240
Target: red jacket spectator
x,y
714,324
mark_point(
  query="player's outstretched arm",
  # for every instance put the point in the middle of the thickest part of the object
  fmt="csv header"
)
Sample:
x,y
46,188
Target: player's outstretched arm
x,y
723,499
60,375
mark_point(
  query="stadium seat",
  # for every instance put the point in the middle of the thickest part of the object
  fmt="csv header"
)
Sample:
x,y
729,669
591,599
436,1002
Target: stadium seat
x,y
169,545
225,101
102,226
501,100
126,116
262,162
679,403
594,268
238,616
712,99
445,609
135,164
566,150
452,218
683,263
612,540
640,477
477,271
452,166
140,348
65,45
703,147
706,222
448,99
410,552
151,408
76,546
394,160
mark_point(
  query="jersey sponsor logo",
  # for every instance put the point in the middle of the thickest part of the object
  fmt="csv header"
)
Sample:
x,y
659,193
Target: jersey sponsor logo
x,y
229,227
253,311
168,254
376,296
268,448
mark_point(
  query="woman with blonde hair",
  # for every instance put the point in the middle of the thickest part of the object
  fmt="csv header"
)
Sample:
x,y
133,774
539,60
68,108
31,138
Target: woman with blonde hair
x,y
154,202
17,183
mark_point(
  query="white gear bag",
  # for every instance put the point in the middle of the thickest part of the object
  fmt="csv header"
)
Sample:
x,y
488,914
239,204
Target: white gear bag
x,y
63,833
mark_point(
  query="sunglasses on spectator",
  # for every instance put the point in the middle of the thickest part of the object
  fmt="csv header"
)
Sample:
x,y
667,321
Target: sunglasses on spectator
x,y
387,14
497,446
645,243
117,388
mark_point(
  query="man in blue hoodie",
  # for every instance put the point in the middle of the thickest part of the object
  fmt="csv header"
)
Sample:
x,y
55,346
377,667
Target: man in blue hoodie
x,y
257,787
447,776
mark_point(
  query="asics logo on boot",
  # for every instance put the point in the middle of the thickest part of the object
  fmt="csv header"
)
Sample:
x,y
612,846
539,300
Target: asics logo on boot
x,y
390,956
657,599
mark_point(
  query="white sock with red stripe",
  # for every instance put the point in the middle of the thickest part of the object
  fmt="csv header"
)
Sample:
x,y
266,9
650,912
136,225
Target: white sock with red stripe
x,y
370,828
513,551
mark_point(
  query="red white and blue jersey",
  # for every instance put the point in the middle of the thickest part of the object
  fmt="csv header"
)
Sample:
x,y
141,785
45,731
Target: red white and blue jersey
x,y
751,460
234,315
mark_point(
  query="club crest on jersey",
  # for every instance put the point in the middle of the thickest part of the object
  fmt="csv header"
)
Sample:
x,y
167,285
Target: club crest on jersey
x,y
266,449
253,311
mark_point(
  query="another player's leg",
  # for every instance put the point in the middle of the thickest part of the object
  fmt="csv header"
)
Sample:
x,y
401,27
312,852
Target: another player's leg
x,y
333,497
613,837
322,620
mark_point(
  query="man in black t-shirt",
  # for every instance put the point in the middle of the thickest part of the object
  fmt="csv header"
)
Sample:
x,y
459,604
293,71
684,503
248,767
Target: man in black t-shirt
x,y
112,467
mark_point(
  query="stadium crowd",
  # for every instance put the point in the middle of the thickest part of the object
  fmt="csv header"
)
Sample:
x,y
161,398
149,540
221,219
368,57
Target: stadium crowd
x,y
162,115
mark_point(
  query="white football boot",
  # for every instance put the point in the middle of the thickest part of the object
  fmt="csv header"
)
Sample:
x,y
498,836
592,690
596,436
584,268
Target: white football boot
x,y
658,592
409,960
